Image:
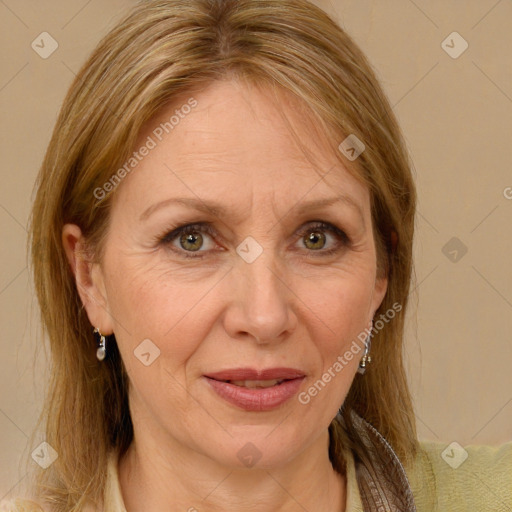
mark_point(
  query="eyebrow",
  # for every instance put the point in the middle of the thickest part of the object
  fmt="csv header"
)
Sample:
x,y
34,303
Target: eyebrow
x,y
219,210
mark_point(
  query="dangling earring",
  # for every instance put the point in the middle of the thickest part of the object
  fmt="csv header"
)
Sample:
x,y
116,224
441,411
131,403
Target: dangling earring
x,y
102,350
366,357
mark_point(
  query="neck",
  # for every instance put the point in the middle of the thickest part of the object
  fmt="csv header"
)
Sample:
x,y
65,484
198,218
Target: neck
x,y
157,476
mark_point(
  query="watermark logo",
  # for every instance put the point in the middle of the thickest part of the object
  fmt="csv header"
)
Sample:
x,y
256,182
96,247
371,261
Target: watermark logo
x,y
352,147
249,250
454,45
454,249
45,455
249,455
454,455
147,352
44,45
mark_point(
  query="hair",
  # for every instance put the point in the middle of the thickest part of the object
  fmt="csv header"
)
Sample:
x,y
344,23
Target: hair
x,y
166,48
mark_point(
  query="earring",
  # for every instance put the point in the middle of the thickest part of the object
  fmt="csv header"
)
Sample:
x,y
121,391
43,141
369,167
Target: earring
x,y
102,350
366,357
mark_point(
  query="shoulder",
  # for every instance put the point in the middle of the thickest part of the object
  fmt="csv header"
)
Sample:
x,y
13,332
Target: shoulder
x,y
20,505
28,505
449,477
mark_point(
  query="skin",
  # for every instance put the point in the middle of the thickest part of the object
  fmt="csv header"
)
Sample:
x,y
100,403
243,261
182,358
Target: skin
x,y
291,307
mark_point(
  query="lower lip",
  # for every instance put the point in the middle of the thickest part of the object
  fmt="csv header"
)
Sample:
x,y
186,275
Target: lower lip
x,y
256,399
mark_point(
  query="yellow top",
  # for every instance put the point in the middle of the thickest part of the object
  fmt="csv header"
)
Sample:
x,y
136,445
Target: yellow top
x,y
443,479
481,483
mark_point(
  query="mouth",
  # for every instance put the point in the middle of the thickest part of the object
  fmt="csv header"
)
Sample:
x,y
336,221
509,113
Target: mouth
x,y
238,375
256,390
255,384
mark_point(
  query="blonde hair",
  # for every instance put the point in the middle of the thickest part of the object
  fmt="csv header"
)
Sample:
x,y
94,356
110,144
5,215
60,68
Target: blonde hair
x,y
161,49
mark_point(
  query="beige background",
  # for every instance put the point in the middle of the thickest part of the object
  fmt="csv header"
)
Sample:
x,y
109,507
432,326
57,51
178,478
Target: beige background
x,y
457,119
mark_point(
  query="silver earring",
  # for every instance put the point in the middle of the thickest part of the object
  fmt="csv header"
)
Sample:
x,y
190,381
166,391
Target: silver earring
x,y
102,350
366,357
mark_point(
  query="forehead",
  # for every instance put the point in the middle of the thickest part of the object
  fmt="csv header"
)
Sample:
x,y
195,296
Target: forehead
x,y
238,140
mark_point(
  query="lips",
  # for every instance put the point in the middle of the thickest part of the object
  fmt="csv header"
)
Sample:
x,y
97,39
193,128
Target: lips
x,y
256,390
250,374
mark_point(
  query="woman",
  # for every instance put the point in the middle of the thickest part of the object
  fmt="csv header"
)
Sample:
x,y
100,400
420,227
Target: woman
x,y
222,239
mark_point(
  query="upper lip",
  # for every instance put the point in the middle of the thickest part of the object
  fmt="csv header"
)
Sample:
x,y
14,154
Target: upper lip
x,y
253,374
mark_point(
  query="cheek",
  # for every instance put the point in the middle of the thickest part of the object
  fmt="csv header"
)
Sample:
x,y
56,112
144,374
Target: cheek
x,y
341,302
338,308
146,303
341,309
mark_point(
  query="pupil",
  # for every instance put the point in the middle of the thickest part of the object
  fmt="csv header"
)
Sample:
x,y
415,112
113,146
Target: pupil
x,y
315,237
191,238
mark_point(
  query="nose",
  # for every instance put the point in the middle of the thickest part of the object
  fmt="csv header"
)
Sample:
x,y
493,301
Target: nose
x,y
261,303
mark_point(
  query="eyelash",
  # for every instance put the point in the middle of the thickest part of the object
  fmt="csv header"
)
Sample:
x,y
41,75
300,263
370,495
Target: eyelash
x,y
205,227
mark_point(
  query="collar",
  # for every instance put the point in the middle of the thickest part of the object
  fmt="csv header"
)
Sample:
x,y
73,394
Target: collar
x,y
381,477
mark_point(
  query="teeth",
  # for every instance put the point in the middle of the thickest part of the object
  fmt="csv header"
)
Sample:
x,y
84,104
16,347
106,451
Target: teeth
x,y
256,383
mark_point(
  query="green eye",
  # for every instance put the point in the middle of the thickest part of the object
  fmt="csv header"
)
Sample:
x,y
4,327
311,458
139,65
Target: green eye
x,y
316,239
191,241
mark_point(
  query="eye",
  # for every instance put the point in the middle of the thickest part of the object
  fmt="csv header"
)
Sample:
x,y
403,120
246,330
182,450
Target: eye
x,y
189,239
315,238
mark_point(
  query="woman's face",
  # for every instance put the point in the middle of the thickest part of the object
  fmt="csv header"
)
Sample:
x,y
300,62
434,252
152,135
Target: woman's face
x,y
262,279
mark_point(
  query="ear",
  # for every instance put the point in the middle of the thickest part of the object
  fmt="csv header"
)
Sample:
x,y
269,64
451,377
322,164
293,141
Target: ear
x,y
88,277
381,280
379,292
